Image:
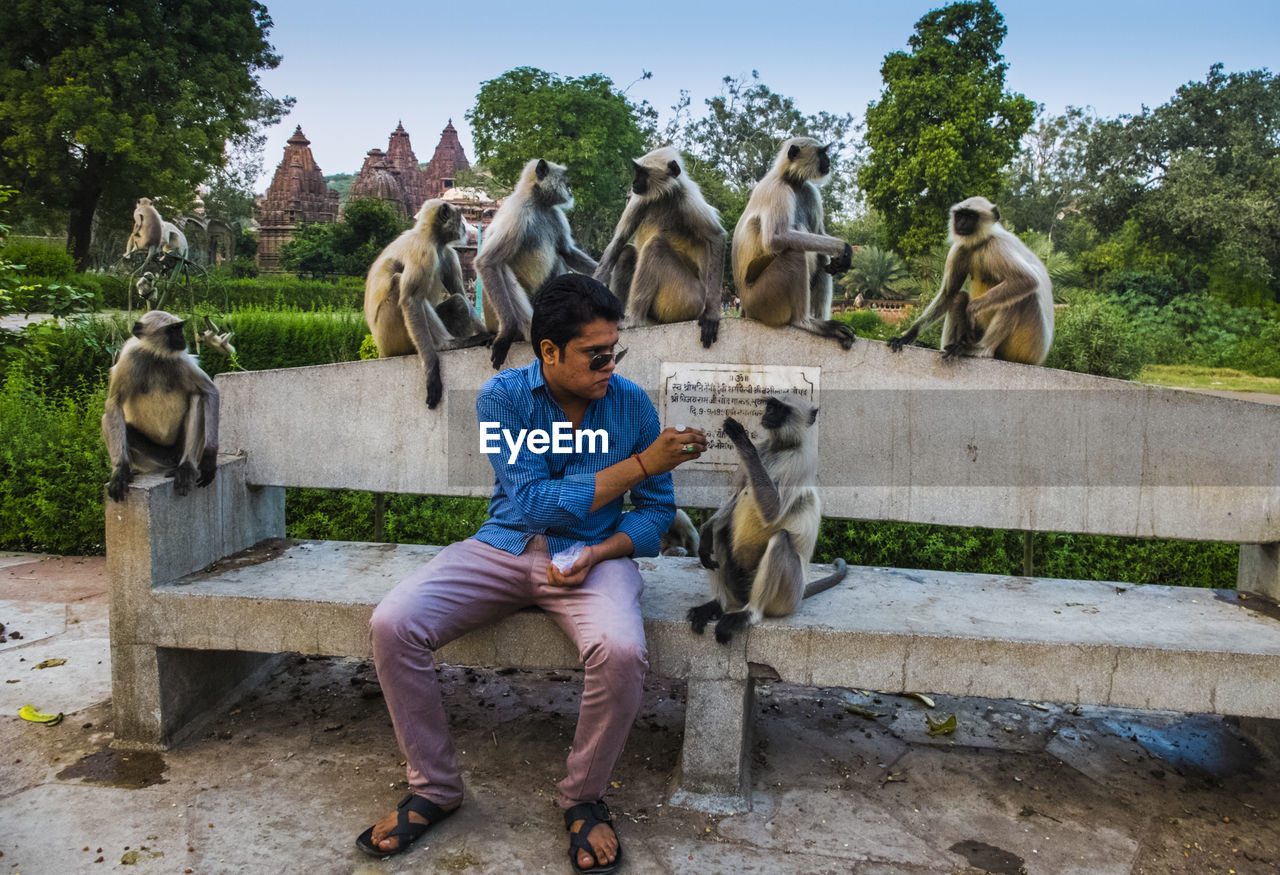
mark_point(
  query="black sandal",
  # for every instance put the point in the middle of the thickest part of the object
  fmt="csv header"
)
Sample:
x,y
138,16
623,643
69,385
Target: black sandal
x,y
406,830
592,814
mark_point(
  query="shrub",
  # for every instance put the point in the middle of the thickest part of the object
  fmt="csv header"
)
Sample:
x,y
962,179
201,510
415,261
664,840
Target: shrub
x,y
347,515
865,323
267,339
995,551
41,260
53,467
1096,336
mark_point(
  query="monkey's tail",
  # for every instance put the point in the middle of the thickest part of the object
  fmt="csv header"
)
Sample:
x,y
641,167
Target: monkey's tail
x,y
825,583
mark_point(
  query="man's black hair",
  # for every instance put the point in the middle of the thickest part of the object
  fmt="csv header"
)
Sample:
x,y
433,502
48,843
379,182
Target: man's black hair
x,y
566,303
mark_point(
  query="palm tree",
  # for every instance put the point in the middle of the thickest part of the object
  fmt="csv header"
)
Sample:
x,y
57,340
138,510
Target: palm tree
x,y
877,273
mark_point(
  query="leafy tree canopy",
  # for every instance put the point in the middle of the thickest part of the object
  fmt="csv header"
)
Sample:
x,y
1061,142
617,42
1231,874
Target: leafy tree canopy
x,y
104,101
1199,175
583,123
733,144
347,247
944,126
1048,176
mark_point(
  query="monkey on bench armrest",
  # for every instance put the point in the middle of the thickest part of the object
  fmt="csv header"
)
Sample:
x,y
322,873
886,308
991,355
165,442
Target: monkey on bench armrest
x,y
758,544
161,412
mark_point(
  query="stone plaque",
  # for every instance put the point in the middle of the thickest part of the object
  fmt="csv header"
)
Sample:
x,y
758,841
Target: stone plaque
x,y
701,395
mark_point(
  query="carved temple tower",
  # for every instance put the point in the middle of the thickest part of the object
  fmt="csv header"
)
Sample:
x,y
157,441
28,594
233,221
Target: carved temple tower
x,y
444,165
298,193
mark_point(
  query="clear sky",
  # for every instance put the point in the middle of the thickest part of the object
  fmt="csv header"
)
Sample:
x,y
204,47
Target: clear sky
x,y
357,69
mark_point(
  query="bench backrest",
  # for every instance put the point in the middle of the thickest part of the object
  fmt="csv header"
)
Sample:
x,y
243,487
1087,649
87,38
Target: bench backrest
x,y
902,436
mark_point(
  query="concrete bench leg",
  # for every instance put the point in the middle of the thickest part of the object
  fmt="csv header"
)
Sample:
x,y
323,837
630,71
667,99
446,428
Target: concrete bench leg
x,y
161,696
715,763
1260,569
153,538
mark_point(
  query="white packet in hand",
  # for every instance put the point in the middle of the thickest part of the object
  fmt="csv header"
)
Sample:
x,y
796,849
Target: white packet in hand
x,y
565,558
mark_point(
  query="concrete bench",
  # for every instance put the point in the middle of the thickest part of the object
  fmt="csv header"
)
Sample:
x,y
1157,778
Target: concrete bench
x,y
205,588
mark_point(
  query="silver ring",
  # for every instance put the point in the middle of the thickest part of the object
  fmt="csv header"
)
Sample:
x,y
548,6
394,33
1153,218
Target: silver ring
x,y
688,448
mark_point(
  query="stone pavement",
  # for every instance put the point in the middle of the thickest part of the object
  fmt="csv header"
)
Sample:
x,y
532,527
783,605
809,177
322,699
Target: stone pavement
x,y
286,778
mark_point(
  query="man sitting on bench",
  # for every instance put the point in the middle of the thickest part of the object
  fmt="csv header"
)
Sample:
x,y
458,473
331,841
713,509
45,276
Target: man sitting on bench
x,y
544,504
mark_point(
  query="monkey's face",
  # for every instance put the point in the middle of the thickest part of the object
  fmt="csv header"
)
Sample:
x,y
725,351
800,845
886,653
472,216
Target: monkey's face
x,y
657,173
161,331
447,225
805,159
972,216
551,184
787,417
964,222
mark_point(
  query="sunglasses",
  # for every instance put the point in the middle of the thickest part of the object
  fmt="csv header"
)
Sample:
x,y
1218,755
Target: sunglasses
x,y
601,361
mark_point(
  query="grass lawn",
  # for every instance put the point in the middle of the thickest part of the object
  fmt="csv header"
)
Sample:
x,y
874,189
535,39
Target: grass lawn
x,y
1193,377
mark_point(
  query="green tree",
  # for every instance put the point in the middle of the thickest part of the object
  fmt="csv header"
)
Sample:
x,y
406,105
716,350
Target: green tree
x,y
312,251
735,141
584,123
1048,176
944,125
366,228
103,101
1200,175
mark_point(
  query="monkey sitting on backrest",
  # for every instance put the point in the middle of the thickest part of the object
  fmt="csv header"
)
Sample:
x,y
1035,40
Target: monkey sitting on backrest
x,y
758,544
162,411
413,298
528,243
672,273
173,241
147,230
783,259
1008,311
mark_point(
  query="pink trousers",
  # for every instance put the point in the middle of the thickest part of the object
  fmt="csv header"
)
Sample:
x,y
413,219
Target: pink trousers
x,y
471,584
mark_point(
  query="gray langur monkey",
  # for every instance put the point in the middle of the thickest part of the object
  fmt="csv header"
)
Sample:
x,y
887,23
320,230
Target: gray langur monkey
x,y
758,543
146,285
783,259
147,230
681,538
161,413
413,297
528,243
1008,310
173,241
219,342
673,271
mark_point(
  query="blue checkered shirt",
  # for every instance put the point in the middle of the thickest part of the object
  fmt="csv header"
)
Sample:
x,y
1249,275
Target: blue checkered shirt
x,y
551,493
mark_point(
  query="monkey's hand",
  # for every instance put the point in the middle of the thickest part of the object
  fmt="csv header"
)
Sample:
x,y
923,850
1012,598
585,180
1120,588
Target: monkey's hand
x,y
840,263
121,477
703,614
501,346
184,478
734,431
710,329
435,388
208,466
906,339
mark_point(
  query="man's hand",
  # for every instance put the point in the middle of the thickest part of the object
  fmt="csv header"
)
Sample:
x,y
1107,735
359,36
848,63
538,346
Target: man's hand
x,y
577,573
672,448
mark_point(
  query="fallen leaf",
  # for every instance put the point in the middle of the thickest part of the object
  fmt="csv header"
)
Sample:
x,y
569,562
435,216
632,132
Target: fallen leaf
x,y
928,703
941,727
1035,705
863,711
49,663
